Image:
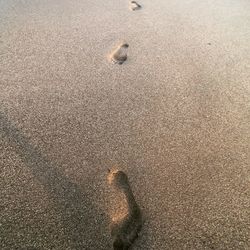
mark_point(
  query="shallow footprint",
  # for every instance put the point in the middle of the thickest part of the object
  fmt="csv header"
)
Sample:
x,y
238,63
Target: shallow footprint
x,y
134,5
119,55
125,228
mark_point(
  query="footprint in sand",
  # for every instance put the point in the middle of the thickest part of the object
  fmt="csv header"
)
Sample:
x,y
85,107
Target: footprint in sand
x,y
125,230
119,55
134,5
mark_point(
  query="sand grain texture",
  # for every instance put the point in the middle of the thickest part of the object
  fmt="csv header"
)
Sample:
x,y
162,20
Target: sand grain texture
x,y
175,117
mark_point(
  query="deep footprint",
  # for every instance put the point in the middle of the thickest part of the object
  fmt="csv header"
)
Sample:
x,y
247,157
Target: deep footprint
x,y
134,5
125,231
119,55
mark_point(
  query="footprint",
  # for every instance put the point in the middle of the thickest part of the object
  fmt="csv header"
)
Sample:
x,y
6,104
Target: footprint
x,y
125,230
119,55
134,5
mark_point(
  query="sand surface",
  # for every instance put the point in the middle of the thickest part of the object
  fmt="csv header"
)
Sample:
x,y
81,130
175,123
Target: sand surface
x,y
175,117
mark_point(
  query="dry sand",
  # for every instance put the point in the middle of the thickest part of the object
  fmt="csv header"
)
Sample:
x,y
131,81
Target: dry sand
x,y
175,117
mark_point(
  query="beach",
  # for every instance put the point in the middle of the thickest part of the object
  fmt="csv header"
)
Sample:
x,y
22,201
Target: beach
x,y
174,116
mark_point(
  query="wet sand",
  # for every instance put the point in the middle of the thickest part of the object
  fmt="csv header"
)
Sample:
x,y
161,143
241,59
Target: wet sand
x,y
175,116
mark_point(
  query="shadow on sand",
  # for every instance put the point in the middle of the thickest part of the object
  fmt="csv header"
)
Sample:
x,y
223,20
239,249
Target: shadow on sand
x,y
80,218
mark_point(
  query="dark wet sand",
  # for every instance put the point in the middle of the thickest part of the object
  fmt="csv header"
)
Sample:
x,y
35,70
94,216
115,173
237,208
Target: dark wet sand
x,y
175,117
